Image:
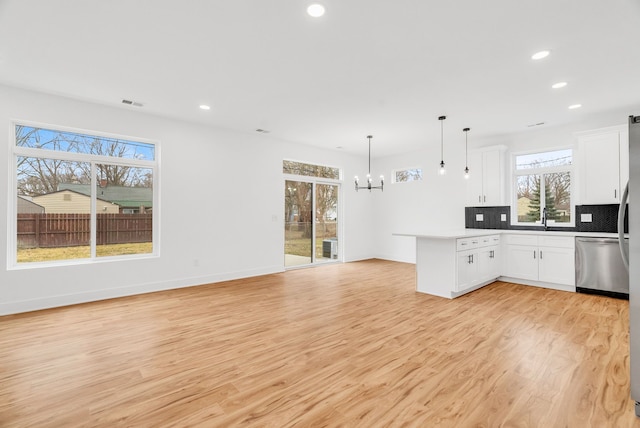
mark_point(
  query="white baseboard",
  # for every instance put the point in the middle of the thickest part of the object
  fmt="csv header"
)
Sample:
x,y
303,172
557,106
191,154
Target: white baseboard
x,y
540,284
111,293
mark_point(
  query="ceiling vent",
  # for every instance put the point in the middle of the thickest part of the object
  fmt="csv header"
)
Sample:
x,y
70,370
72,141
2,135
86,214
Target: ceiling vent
x,y
132,103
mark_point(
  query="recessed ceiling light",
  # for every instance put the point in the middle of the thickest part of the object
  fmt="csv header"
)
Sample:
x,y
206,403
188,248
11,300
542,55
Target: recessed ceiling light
x,y
316,10
540,55
574,106
559,85
205,107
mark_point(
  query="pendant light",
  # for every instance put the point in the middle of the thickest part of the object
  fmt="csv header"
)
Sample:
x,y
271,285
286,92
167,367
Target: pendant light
x,y
442,170
369,186
466,153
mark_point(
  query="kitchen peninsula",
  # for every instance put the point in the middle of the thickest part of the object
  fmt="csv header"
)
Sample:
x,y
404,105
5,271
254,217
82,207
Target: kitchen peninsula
x,y
455,262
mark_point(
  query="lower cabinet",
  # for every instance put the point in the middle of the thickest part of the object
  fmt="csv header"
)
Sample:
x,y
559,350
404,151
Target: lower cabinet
x,y
479,263
540,258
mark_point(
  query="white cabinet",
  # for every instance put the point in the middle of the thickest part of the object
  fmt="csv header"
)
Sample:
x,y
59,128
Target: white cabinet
x,y
489,262
540,258
467,270
477,261
604,165
485,186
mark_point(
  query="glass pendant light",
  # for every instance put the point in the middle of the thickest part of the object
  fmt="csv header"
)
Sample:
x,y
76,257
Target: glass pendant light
x,y
466,153
442,170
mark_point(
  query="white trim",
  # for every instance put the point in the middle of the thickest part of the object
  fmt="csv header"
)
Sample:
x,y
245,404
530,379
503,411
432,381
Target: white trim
x,y
515,173
151,287
15,151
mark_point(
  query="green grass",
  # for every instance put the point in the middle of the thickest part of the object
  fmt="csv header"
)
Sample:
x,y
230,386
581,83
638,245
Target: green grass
x,y
28,255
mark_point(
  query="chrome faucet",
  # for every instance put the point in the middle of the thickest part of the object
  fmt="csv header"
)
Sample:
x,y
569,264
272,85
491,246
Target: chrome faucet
x,y
544,218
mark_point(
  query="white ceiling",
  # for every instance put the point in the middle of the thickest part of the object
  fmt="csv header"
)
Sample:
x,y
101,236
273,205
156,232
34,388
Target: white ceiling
x,y
387,68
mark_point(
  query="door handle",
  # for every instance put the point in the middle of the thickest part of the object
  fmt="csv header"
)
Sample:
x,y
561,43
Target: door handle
x,y
485,198
534,254
479,200
540,254
615,193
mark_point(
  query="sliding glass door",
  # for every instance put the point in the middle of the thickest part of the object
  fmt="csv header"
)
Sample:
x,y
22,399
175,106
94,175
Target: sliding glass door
x,y
311,222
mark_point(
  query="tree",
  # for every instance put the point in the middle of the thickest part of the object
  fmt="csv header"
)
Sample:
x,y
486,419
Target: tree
x,y
534,213
41,175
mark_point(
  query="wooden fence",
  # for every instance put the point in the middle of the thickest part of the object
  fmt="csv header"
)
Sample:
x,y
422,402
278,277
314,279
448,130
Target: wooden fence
x,y
70,230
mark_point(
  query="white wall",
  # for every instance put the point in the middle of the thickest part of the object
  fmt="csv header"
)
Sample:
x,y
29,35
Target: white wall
x,y
435,203
233,232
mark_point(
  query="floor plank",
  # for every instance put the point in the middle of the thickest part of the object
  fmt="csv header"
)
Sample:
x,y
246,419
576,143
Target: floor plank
x,y
340,345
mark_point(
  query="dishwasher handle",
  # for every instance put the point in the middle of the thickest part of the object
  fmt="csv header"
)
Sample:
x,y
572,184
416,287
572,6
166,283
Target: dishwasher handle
x,y
598,240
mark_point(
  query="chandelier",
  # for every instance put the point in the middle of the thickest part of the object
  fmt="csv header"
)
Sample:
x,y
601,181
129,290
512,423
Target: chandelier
x,y
369,182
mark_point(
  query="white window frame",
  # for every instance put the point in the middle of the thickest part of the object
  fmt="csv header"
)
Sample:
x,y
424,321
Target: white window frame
x,y
340,214
93,160
394,172
541,171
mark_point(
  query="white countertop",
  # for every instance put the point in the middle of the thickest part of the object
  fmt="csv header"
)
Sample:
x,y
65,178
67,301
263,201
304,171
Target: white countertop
x,y
469,233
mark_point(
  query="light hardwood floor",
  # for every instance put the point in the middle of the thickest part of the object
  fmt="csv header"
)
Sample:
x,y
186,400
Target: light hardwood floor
x,y
342,345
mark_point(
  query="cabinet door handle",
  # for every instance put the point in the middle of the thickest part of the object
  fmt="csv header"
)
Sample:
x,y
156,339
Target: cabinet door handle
x,y
485,198
471,258
479,200
534,254
615,193
540,254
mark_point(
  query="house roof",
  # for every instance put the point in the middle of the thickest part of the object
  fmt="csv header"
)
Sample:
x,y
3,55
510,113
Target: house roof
x,y
121,195
72,191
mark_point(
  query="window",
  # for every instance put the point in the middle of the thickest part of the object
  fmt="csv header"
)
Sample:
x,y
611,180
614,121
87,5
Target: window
x,y
310,170
96,192
311,209
542,183
406,175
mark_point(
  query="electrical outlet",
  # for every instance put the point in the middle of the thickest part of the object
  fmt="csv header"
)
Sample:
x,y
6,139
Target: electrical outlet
x,y
586,218
479,217
503,217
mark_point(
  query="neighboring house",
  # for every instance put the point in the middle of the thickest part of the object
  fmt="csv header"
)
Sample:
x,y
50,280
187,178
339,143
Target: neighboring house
x,y
523,207
69,201
27,206
131,200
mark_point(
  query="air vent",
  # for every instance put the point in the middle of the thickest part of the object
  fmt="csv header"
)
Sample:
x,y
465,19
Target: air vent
x,y
262,131
132,103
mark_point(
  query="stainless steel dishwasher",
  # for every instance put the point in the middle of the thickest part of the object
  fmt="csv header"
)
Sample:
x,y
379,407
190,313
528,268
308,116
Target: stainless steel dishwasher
x,y
599,267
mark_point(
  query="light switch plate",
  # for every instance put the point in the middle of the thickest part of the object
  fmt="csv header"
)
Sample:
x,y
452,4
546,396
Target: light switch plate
x,y
503,217
586,218
479,217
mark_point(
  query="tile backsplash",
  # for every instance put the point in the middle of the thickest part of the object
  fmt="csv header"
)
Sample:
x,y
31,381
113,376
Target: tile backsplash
x,y
487,217
604,218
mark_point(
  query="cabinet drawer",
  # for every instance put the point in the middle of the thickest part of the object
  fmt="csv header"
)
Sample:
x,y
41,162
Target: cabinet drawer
x,y
557,241
467,243
522,240
485,241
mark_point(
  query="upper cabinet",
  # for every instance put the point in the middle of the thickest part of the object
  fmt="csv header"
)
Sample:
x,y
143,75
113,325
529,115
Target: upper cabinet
x,y
604,164
486,183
